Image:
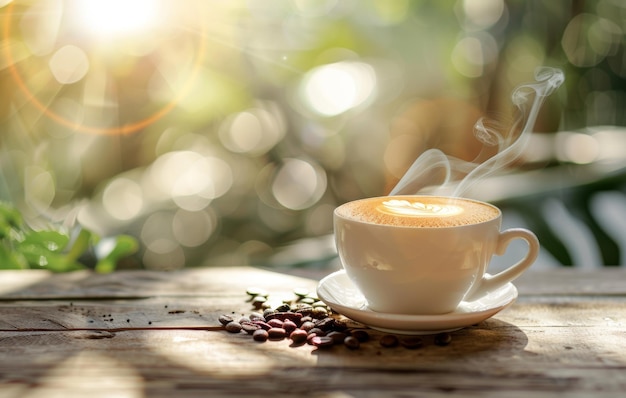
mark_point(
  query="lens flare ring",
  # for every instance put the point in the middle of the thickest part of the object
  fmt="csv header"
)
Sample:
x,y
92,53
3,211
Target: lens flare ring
x,y
76,126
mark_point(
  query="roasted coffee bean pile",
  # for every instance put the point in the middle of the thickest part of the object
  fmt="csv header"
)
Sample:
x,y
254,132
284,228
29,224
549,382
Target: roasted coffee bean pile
x,y
306,320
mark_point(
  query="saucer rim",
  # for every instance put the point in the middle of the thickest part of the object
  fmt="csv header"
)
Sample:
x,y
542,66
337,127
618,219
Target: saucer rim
x,y
414,324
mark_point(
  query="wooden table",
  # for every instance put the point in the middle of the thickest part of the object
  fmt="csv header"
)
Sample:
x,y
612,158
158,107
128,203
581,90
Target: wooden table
x,y
152,334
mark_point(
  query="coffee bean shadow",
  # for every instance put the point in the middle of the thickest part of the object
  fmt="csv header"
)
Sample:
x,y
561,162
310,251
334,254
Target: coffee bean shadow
x,y
492,339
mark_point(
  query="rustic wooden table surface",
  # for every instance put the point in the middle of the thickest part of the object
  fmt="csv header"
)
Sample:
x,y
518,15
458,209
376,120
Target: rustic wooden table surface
x,y
153,334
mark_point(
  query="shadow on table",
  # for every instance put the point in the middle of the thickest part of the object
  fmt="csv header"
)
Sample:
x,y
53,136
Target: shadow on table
x,y
490,341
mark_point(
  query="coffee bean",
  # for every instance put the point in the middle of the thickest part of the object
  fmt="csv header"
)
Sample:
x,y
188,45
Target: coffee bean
x,y
255,316
340,325
289,326
352,342
268,312
293,316
276,333
225,319
388,341
258,302
233,327
322,341
244,319
301,292
360,334
283,308
306,326
317,331
262,325
256,291
250,327
298,336
310,337
308,300
304,309
337,337
412,343
325,323
319,312
260,335
443,339
275,323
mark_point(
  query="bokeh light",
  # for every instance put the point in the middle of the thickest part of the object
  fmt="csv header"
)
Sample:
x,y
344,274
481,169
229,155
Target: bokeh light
x,y
221,132
254,131
298,184
336,88
69,64
123,199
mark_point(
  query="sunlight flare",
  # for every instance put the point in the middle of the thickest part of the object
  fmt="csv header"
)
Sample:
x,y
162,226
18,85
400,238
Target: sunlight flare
x,y
115,17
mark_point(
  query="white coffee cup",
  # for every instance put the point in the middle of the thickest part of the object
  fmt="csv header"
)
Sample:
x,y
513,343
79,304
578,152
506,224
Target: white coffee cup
x,y
424,254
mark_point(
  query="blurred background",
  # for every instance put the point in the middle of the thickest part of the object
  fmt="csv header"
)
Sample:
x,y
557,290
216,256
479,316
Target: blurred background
x,y
225,132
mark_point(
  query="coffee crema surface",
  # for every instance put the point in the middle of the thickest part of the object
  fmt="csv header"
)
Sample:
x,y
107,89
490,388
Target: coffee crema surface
x,y
418,211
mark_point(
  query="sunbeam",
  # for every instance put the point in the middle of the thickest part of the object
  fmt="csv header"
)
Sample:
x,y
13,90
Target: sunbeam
x,y
102,55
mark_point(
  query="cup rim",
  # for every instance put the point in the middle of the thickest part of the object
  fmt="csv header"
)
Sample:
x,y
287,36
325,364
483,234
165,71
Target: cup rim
x,y
497,209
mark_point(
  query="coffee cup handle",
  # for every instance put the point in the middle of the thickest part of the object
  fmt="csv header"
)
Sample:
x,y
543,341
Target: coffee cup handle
x,y
489,283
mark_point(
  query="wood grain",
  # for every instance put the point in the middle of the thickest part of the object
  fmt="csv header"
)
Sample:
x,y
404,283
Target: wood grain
x,y
216,281
134,334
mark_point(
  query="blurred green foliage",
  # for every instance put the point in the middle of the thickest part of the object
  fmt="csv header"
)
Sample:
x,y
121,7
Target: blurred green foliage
x,y
24,248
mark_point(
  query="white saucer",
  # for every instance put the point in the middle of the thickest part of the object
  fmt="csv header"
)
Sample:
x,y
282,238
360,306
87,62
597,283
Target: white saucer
x,y
340,294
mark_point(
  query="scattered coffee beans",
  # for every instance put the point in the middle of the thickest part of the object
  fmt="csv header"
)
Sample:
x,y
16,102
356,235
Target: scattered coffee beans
x,y
307,326
283,308
249,327
361,335
308,320
258,302
260,335
352,342
255,316
322,341
338,337
233,327
412,343
289,326
301,293
443,339
388,341
317,331
256,291
276,333
225,319
298,336
275,323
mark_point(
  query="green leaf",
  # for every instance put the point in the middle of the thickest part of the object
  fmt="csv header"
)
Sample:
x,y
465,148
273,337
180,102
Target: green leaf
x,y
10,259
10,222
81,244
10,216
39,257
124,246
53,241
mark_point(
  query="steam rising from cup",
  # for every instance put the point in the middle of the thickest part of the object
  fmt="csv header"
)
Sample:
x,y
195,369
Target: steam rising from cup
x,y
440,174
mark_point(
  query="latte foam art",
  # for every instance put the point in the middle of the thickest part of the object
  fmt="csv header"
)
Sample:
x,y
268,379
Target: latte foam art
x,y
418,209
